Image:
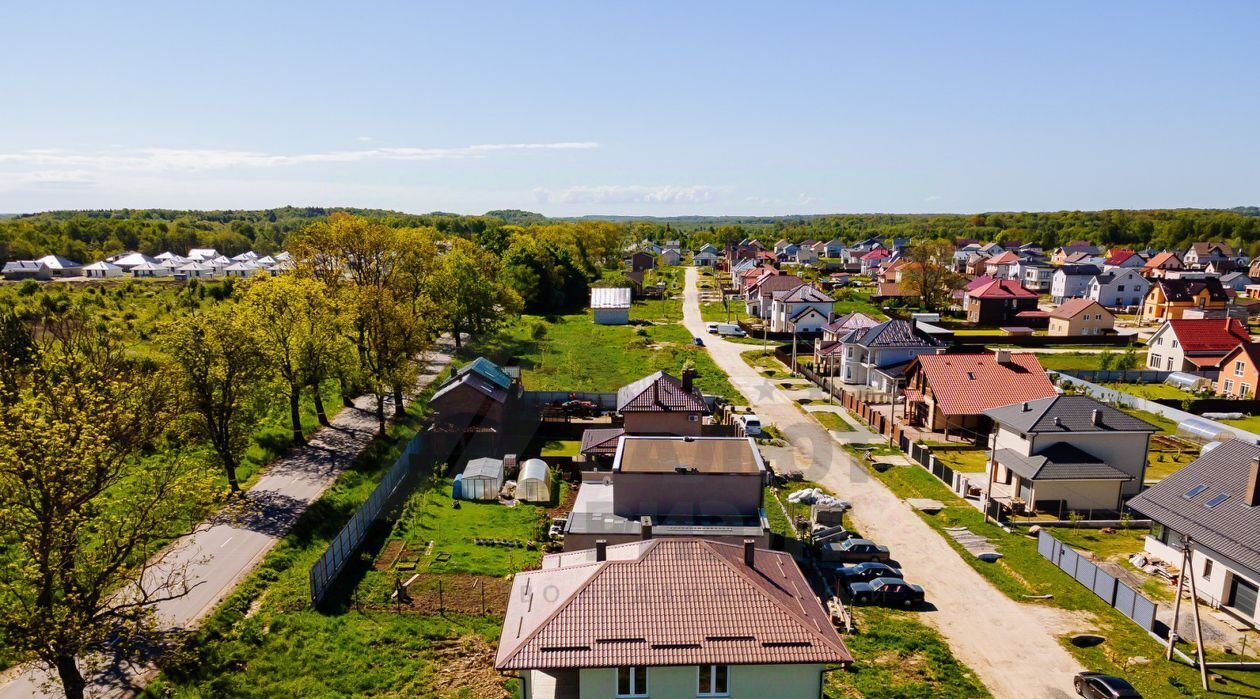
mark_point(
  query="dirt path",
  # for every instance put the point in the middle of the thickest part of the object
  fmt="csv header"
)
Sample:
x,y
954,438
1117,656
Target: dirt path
x,y
1006,643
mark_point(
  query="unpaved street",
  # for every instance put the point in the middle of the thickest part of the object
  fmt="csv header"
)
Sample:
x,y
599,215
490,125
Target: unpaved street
x,y
1005,642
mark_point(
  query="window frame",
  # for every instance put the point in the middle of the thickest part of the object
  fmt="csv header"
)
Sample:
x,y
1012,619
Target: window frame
x,y
712,691
1207,568
635,692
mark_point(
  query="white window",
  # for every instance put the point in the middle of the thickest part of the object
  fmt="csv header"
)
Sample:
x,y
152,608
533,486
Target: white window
x,y
1155,360
1170,363
1229,386
1244,391
1175,344
712,681
1238,368
1207,569
632,682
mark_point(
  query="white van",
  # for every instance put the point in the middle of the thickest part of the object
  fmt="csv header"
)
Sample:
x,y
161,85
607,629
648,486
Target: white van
x,y
730,330
751,424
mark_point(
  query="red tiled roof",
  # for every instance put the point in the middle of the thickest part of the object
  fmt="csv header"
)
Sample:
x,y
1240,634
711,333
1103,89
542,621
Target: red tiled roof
x,y
1120,257
969,384
876,254
1161,259
665,602
658,393
1208,336
1002,289
978,282
1073,307
1005,258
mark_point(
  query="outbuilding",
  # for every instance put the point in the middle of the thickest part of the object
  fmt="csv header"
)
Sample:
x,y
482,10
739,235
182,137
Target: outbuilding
x,y
611,305
483,479
534,483
102,270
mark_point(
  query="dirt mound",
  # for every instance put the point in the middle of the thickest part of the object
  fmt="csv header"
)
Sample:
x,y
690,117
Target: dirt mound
x,y
465,668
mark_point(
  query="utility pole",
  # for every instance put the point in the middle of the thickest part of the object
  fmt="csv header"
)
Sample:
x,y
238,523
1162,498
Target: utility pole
x,y
1194,601
793,349
988,491
1181,583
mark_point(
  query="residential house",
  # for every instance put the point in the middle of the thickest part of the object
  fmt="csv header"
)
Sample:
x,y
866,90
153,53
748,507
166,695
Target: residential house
x,y
1222,267
203,253
1036,276
610,306
828,349
785,247
1083,258
194,270
800,310
999,266
1240,372
1080,317
757,298
641,261
670,257
477,397
1195,346
1236,281
873,259
961,252
806,255
1161,264
1168,299
1123,259
976,264
1254,270
691,618
671,486
998,302
1124,288
661,404
102,270
149,270
947,392
1063,255
26,269
833,248
247,256
704,258
877,356
130,260
61,266
1214,504
246,268
1067,453
1201,254
991,249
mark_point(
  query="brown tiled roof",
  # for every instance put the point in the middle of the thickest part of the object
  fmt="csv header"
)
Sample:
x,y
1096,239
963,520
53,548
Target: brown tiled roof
x,y
1161,259
601,442
660,393
1005,258
1073,307
666,602
1002,289
969,384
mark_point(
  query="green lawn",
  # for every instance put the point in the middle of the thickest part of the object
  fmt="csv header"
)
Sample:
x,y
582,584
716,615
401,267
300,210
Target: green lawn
x,y
1023,574
896,656
832,421
966,460
575,354
1152,391
713,312
767,364
568,447
1251,424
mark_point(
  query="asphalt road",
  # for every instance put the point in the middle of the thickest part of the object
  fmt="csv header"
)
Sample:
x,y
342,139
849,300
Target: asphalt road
x,y
1005,642
220,554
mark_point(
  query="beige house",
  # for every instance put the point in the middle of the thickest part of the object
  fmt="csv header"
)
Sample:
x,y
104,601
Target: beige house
x,y
1067,453
668,618
1081,316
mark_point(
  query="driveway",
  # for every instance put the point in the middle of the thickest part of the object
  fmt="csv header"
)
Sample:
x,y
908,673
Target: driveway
x,y
228,547
1005,642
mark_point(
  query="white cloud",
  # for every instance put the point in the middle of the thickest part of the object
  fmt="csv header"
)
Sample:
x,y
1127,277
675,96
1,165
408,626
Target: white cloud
x,y
632,194
202,159
46,179
934,197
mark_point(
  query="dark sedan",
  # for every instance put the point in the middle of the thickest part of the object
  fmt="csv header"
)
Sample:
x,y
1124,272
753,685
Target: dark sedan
x,y
854,551
863,572
1096,685
886,592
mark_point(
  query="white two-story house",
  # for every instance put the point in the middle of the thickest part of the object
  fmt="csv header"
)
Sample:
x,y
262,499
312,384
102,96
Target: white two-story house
x,y
1071,281
1123,288
803,310
874,356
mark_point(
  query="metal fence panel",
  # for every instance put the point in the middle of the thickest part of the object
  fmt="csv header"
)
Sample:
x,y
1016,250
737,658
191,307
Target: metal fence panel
x,y
1046,545
1105,586
1085,573
1125,597
1068,560
1144,612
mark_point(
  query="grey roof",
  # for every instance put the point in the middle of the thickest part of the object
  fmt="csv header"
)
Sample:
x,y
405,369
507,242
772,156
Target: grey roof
x,y
892,333
485,467
1059,462
1229,528
803,294
1074,413
1080,270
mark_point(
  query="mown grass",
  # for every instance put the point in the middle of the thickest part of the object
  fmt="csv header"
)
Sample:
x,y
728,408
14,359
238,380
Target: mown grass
x,y
1250,423
831,421
1152,391
571,353
896,656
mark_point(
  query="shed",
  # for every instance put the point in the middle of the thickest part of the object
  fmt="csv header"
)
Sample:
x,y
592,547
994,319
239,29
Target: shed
x,y
611,305
534,483
483,479
457,488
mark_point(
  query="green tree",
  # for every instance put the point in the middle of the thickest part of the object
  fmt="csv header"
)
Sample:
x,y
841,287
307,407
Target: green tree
x,y
929,275
467,292
223,373
82,509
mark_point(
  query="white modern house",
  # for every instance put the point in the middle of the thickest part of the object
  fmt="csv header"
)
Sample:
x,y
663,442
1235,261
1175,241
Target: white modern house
x,y
1036,276
1071,281
1214,504
1124,288
803,309
875,356
102,270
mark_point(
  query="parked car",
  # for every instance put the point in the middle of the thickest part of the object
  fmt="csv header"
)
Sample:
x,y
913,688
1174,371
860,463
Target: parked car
x,y
854,551
1096,685
751,424
712,328
887,592
699,341
580,408
863,572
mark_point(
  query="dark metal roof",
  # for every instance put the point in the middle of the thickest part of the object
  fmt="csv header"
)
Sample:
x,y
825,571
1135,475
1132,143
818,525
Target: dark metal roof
x,y
893,333
658,392
1187,289
1080,270
1232,528
1075,415
1059,462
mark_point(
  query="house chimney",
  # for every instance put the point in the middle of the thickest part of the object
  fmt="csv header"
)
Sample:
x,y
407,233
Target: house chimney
x,y
1024,408
1095,418
1002,356
601,550
645,526
1252,493
750,553
688,378
1058,422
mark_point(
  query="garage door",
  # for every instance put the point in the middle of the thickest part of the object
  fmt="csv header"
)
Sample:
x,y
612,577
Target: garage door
x,y
1242,597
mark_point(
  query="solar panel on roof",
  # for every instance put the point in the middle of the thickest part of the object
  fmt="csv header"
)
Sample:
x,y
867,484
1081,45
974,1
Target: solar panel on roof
x,y
1195,491
1216,500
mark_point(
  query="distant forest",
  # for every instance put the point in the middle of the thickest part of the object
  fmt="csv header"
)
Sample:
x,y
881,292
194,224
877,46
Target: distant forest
x,y
90,235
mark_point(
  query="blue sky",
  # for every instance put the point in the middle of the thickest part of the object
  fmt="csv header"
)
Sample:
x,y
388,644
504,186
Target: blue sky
x,y
635,108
